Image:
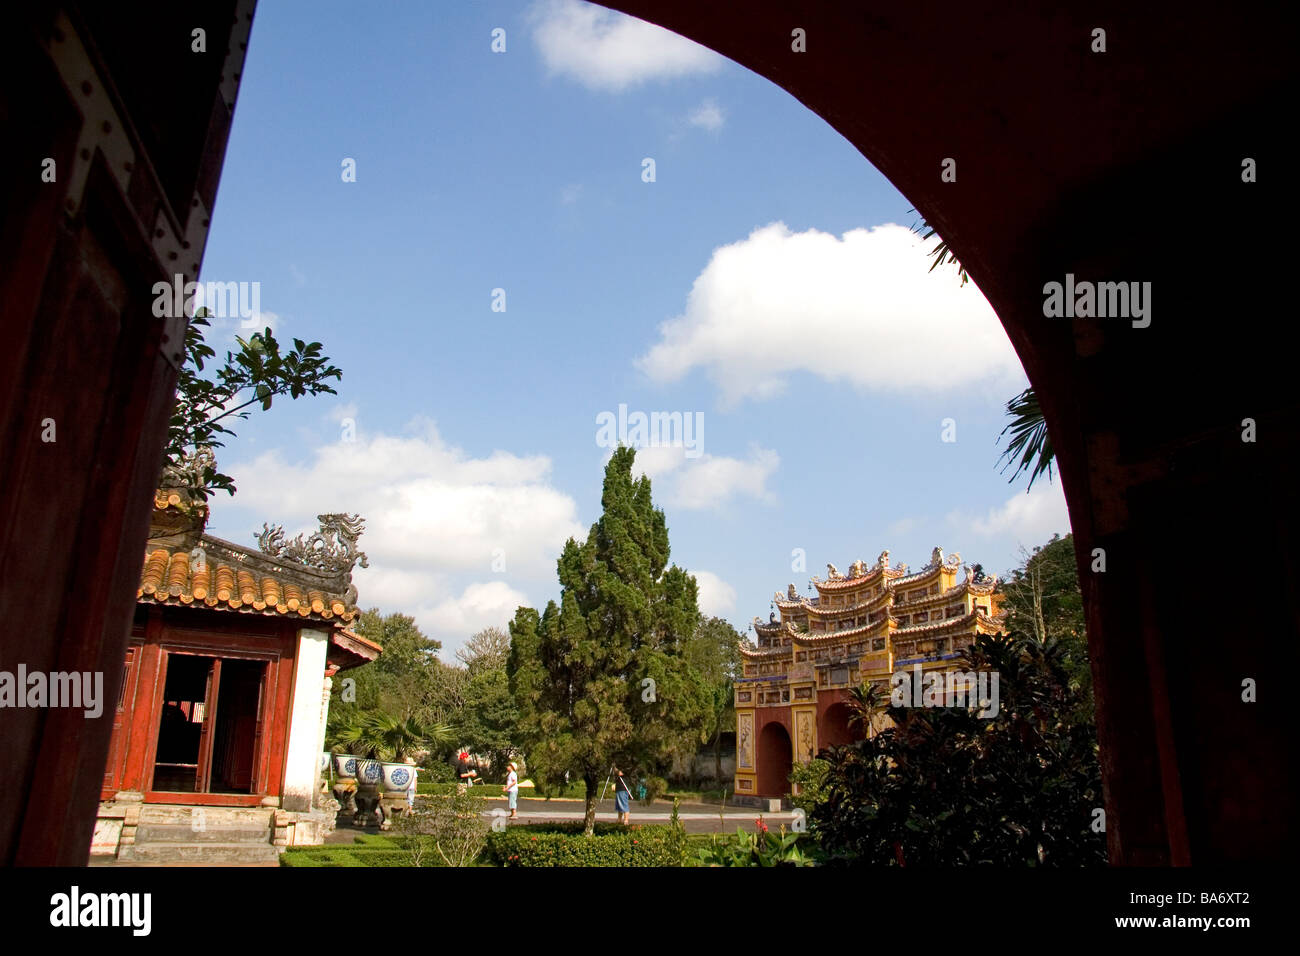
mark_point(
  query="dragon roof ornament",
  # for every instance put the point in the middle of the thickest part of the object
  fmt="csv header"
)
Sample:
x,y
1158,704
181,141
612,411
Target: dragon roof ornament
x,y
333,548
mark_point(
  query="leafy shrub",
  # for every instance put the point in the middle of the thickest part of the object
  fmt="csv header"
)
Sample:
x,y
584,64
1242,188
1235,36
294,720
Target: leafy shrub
x,y
610,845
811,779
439,771
946,787
654,788
450,829
763,848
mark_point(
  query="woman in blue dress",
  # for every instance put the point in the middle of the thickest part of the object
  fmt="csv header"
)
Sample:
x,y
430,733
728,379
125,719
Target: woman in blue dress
x,y
622,799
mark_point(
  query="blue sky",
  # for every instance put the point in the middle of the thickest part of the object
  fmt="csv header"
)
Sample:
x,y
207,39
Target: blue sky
x,y
757,281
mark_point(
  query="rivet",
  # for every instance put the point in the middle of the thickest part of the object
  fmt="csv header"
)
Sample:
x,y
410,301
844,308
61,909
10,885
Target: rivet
x,y
185,245
86,87
194,202
58,35
108,127
127,165
158,233
85,154
205,222
172,256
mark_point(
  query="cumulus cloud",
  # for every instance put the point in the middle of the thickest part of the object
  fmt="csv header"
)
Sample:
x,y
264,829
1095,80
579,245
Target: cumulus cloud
x,y
435,519
610,51
717,598
482,604
424,501
862,308
707,481
708,115
1027,519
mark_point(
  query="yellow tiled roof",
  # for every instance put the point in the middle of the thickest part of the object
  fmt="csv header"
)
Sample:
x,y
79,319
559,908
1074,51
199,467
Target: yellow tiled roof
x,y
172,577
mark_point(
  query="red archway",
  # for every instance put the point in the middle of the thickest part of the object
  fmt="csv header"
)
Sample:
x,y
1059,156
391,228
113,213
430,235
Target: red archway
x,y
1069,161
775,760
834,729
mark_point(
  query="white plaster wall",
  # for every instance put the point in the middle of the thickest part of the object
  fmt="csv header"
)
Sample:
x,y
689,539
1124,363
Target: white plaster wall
x,y
303,756
320,734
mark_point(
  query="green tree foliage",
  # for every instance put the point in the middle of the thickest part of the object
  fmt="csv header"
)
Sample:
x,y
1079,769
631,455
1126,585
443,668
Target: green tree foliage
x,y
1044,602
1029,439
577,669
714,653
488,723
254,375
946,787
380,736
406,682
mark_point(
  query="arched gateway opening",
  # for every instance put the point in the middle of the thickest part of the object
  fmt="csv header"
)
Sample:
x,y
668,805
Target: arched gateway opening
x,y
1062,152
775,760
834,729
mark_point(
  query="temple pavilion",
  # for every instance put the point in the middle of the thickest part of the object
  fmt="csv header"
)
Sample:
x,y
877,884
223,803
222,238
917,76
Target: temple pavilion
x,y
792,700
219,730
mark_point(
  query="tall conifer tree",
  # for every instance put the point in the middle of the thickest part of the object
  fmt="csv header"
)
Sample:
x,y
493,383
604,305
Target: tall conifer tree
x,y
600,678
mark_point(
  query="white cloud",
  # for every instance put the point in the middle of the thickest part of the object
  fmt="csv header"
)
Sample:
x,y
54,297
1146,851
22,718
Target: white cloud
x,y
436,520
482,604
708,115
863,308
610,51
707,481
716,597
1027,519
426,503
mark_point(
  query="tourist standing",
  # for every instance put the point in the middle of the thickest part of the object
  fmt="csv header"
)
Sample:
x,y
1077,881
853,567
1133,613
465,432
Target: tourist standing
x,y
622,798
410,791
512,789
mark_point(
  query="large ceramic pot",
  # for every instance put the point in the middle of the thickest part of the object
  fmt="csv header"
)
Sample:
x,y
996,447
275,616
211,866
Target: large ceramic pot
x,y
397,777
346,766
325,761
369,773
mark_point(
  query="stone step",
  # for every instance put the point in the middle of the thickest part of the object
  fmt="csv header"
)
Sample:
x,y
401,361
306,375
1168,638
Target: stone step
x,y
199,853
184,833
169,815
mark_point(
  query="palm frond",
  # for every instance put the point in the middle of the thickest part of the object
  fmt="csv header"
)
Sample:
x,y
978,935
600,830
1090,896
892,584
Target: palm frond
x,y
1029,438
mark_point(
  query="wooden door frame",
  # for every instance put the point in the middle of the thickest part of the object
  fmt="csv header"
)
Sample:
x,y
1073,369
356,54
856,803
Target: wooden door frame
x,y
268,685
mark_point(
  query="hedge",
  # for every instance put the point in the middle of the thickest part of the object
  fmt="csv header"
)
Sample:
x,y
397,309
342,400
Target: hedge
x,y
610,845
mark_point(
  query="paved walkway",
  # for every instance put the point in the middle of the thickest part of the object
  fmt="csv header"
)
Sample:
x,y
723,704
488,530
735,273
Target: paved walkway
x,y
696,817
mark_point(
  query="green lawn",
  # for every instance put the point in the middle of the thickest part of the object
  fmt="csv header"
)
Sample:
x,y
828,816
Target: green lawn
x,y
383,850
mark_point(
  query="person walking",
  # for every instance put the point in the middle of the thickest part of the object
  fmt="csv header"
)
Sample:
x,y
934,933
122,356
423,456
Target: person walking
x,y
622,798
511,789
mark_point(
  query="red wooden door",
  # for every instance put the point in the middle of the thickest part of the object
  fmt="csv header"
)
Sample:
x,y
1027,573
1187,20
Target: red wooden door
x,y
203,778
258,784
116,765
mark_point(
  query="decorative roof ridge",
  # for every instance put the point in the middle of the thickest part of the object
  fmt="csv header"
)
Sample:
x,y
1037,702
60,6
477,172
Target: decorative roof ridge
x,y
268,564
